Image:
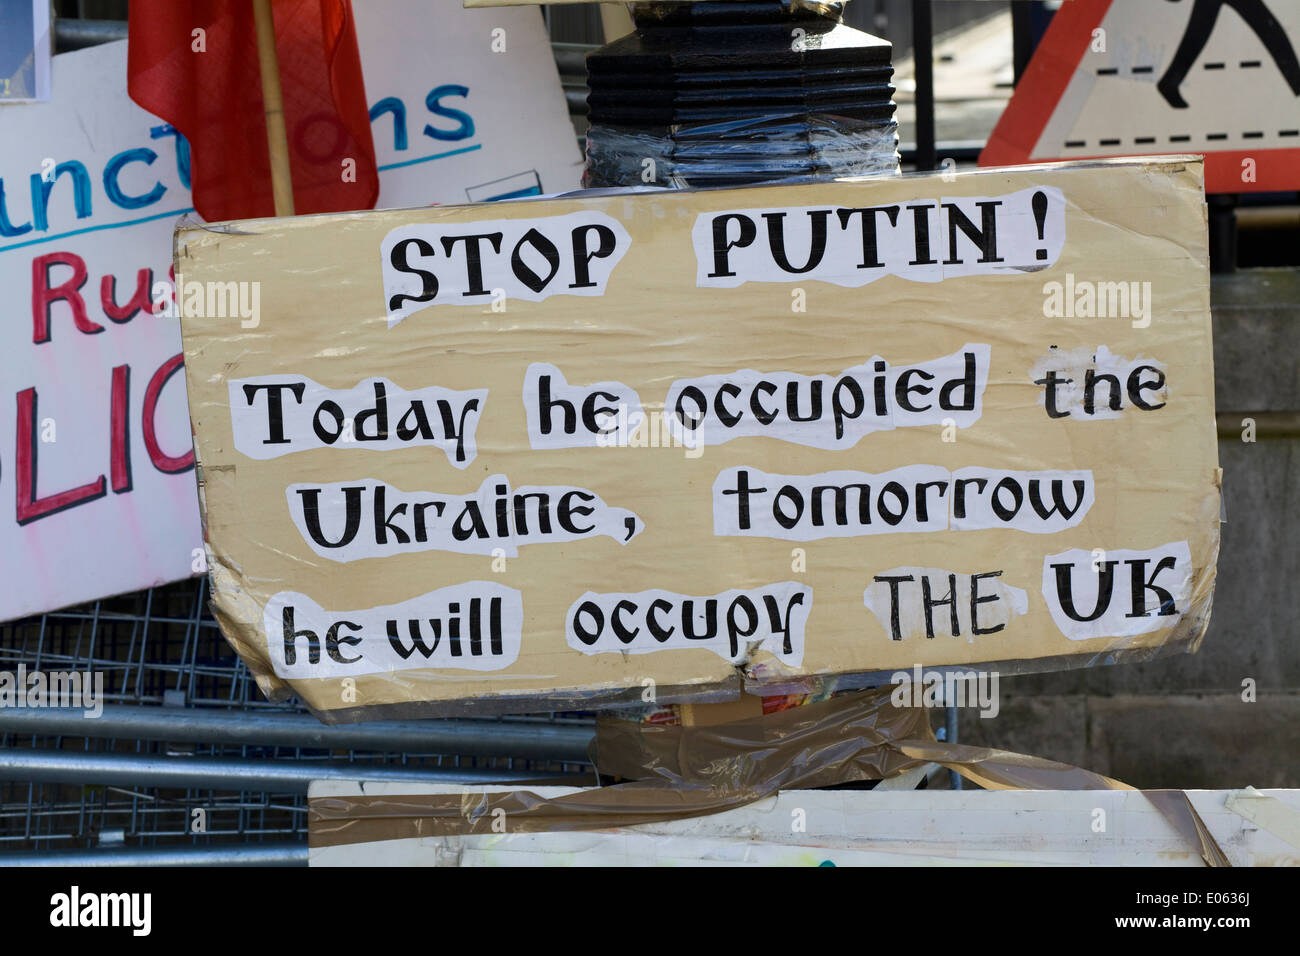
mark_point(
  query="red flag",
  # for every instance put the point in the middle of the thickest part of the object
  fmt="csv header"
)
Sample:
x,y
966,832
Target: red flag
x,y
194,63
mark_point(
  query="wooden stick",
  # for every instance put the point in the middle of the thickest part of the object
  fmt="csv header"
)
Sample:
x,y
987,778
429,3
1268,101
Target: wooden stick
x,y
277,137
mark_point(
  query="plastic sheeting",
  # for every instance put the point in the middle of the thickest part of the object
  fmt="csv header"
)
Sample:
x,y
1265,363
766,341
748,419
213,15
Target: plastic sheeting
x,y
679,771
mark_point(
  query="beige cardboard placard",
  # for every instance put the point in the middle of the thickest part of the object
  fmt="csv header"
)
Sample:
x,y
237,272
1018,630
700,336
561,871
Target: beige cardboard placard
x,y
634,446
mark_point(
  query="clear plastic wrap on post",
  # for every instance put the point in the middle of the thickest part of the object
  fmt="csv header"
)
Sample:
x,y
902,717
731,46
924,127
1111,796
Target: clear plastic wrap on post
x,y
786,149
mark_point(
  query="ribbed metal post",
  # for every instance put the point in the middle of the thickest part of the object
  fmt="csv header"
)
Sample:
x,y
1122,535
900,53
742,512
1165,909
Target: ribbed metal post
x,y
252,854
221,773
485,738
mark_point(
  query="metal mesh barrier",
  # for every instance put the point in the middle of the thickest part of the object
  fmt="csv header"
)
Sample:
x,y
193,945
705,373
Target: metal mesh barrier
x,y
153,647
161,653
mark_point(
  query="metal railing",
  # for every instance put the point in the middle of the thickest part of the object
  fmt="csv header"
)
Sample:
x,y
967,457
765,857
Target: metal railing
x,y
188,756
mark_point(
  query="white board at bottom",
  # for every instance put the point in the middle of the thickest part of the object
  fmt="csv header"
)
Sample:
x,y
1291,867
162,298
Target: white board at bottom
x,y
867,828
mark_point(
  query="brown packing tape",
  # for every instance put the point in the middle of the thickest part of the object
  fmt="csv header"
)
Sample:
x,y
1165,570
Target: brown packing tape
x,y
692,771
1182,816
835,741
1004,770
676,772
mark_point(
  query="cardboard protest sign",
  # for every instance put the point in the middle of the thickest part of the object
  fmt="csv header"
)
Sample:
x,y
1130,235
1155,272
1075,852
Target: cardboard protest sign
x,y
96,463
593,448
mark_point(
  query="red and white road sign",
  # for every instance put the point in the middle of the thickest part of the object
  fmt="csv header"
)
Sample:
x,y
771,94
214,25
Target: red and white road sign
x,y
1123,78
